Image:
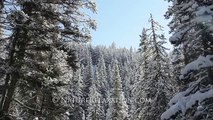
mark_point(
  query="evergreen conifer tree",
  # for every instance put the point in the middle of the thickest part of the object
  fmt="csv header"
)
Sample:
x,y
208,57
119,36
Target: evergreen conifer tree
x,y
118,109
95,108
194,102
155,88
39,59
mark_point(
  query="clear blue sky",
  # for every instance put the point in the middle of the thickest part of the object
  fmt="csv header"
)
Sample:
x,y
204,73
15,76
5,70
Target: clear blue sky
x,y
122,21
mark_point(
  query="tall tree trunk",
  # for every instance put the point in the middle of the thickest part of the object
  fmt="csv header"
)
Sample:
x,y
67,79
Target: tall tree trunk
x,y
12,78
8,76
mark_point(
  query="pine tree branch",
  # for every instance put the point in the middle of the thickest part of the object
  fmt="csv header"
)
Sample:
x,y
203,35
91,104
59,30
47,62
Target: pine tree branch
x,y
30,108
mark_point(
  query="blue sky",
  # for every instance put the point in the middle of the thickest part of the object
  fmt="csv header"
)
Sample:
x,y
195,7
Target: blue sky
x,y
121,21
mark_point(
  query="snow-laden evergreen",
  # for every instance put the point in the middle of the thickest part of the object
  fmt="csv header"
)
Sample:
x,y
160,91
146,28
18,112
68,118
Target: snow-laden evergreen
x,y
46,73
195,34
95,108
38,59
155,85
99,59
140,75
118,109
75,96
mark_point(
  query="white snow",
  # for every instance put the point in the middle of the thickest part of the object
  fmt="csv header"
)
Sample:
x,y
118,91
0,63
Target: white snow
x,y
36,118
200,108
171,111
203,19
200,63
202,10
204,15
184,103
178,35
195,5
186,17
176,98
210,27
198,97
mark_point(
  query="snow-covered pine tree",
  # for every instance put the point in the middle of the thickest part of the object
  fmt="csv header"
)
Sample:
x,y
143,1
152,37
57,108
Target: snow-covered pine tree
x,y
195,102
135,77
88,78
140,74
95,108
186,28
125,58
144,50
118,109
109,76
75,97
177,63
104,85
38,59
127,82
102,72
156,87
109,81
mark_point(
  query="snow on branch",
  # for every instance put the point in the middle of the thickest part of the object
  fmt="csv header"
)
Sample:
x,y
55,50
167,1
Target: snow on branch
x,y
204,14
201,63
183,103
177,37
